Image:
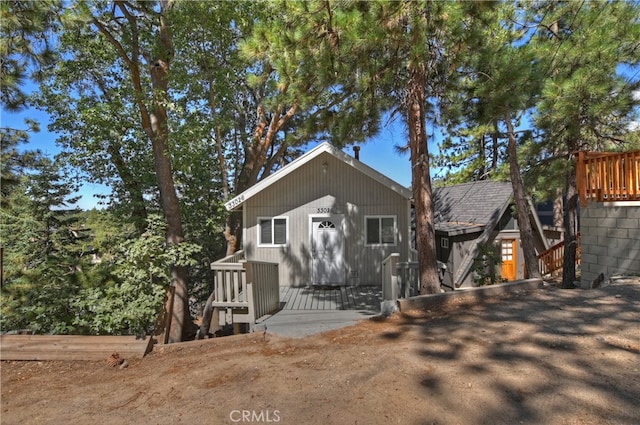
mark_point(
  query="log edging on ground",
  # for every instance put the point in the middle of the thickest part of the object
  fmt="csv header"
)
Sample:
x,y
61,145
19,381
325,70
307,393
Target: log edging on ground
x,y
72,347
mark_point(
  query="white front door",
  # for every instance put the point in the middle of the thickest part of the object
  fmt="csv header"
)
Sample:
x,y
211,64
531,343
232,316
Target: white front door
x,y
327,251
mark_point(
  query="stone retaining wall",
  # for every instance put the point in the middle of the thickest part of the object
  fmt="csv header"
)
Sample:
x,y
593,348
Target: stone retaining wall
x,y
610,234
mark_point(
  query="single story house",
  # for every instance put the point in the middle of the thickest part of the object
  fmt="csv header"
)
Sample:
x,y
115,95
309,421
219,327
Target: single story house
x,y
326,218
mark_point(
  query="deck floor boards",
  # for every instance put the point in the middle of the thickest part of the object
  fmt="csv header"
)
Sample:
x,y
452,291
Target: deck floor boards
x,y
284,294
306,305
298,299
342,298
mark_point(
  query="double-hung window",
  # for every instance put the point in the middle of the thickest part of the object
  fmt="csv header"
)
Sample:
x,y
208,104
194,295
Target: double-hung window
x,y
380,230
273,231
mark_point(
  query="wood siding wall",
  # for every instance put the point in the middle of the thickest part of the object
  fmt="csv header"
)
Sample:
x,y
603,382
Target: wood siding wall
x,y
460,246
312,191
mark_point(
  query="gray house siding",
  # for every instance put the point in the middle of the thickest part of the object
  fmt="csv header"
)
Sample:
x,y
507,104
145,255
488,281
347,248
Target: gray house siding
x,y
326,187
459,248
610,234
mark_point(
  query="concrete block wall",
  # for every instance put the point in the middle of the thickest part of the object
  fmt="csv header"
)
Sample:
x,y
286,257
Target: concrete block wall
x,y
610,234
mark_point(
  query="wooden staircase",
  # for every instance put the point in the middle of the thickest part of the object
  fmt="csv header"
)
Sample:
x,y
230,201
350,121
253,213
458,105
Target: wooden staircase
x,y
551,260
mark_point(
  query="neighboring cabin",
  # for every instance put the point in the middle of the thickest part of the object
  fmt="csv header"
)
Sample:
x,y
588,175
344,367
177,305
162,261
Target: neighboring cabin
x,y
479,214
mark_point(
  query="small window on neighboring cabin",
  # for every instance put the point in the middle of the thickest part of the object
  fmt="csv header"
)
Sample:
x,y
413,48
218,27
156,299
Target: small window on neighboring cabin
x,y
444,243
380,230
272,231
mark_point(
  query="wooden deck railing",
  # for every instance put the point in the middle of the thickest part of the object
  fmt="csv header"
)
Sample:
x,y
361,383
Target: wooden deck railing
x,y
236,257
401,279
244,291
608,177
552,259
390,290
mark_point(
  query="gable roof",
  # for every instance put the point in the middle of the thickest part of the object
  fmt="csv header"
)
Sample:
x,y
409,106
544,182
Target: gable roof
x,y
469,207
322,148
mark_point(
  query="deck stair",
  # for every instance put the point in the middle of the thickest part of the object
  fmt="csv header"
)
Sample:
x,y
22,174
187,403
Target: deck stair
x,y
245,292
551,261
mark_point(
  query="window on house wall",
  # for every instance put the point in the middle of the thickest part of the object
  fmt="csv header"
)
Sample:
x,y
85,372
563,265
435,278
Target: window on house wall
x,y
380,230
444,243
272,231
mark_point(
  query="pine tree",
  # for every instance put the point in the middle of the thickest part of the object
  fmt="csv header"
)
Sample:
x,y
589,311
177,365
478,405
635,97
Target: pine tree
x,y
24,45
371,58
584,104
41,234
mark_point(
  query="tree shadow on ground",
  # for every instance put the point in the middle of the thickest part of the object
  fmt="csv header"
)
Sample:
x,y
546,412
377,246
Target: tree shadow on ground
x,y
527,358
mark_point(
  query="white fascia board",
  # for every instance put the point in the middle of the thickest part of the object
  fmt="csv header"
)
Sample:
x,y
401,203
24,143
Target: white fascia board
x,y
236,202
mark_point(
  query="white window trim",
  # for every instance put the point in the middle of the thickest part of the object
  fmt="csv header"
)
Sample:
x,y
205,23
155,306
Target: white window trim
x,y
444,243
380,217
271,245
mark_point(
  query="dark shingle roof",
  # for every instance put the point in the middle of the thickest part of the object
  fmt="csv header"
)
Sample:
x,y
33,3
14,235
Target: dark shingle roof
x,y
468,207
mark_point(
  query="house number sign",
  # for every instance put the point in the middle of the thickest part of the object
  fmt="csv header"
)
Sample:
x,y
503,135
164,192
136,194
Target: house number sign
x,y
234,202
325,210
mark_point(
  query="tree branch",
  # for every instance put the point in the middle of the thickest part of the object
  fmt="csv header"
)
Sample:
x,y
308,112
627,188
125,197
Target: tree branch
x,y
111,39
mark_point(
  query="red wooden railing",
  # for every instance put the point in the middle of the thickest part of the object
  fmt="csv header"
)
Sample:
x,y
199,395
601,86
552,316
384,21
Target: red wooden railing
x,y
552,259
608,177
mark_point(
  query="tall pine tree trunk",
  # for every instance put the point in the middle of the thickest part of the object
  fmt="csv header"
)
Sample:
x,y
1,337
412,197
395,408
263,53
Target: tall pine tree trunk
x,y
421,181
570,230
522,205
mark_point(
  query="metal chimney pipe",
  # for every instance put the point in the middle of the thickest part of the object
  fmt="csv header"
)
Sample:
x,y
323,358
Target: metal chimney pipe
x,y
356,152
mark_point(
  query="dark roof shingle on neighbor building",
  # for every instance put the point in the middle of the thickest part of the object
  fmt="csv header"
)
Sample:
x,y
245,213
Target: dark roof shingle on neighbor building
x,y
468,207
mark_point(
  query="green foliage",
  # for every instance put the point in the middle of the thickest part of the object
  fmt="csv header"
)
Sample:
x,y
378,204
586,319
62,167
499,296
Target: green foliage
x,y
486,264
88,97
557,66
42,252
24,41
131,305
13,161
585,103
119,290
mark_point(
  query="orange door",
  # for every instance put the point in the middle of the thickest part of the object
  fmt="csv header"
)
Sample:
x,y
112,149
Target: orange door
x,y
508,256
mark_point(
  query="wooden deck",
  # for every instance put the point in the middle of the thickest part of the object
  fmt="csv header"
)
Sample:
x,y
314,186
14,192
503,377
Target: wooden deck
x,y
327,298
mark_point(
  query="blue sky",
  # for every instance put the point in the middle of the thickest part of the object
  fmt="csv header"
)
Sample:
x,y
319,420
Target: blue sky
x,y
45,142
378,152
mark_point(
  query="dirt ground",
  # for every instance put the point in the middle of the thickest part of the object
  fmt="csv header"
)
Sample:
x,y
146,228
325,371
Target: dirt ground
x,y
545,357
